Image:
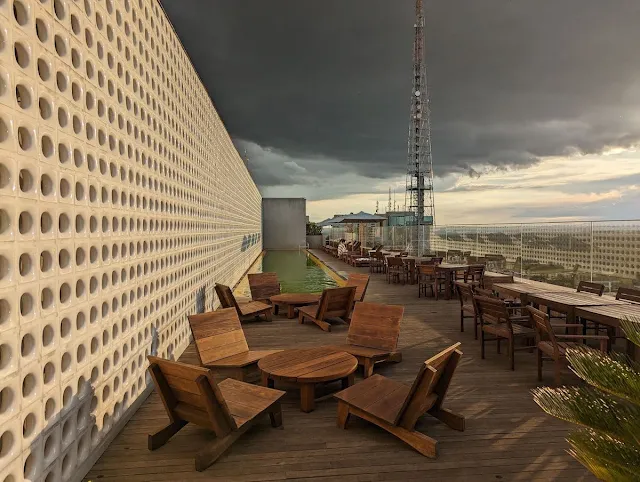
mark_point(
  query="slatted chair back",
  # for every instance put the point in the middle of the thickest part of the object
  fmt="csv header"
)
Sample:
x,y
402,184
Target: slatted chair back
x,y
484,292
263,285
426,271
395,262
190,393
218,334
474,273
589,287
225,295
375,325
628,294
336,303
544,331
436,260
430,386
465,294
361,282
492,311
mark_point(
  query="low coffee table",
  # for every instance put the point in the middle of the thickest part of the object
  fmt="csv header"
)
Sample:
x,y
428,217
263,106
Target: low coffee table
x,y
294,300
307,367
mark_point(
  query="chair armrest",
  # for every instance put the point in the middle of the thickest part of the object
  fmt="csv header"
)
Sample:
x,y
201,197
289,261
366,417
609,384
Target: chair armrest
x,y
603,339
566,325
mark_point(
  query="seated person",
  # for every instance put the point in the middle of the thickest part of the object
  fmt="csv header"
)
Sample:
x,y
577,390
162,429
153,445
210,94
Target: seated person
x,y
342,247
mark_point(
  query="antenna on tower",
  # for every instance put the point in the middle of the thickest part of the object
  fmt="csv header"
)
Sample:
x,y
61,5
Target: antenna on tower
x,y
377,206
419,181
389,204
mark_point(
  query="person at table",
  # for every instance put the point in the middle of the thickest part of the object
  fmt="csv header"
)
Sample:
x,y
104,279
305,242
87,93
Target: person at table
x,y
342,247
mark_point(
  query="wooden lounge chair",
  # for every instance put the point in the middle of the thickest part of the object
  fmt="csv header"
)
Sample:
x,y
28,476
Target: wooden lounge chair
x,y
496,319
361,282
334,303
467,306
553,346
396,407
246,311
373,334
229,408
221,345
263,286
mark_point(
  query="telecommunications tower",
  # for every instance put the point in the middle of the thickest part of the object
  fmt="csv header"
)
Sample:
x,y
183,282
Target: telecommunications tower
x,y
419,183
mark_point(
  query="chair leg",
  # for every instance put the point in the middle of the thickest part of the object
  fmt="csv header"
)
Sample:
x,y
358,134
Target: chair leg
x,y
558,374
498,343
368,367
163,435
481,343
512,354
214,451
475,326
343,415
461,321
539,364
275,415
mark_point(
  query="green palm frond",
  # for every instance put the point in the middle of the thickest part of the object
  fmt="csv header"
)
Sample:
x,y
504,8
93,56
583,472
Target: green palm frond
x,y
610,374
606,457
591,408
631,328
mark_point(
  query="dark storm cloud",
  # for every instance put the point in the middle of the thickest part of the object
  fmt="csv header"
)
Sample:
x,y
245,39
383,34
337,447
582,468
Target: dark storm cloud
x,y
512,81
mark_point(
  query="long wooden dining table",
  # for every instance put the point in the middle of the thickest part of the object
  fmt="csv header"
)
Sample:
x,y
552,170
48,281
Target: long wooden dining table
x,y
522,290
610,316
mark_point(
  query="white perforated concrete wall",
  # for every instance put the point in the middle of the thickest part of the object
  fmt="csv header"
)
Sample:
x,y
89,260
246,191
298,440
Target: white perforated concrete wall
x,y
121,198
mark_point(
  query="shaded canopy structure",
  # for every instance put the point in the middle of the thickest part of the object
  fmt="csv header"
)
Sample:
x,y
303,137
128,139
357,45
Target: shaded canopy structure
x,y
352,218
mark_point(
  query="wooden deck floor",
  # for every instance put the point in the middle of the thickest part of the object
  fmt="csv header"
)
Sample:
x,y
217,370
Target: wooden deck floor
x,y
507,436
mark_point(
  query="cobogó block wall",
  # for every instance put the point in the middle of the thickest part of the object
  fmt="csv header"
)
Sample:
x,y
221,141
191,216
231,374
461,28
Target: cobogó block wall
x,y
121,197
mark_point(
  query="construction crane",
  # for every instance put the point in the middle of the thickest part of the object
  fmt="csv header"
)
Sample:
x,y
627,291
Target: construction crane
x,y
419,181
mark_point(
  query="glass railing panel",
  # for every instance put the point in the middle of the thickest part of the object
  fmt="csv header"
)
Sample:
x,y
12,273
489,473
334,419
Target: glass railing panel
x,y
616,254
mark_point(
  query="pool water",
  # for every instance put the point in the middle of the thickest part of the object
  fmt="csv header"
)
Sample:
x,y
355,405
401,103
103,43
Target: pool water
x,y
297,273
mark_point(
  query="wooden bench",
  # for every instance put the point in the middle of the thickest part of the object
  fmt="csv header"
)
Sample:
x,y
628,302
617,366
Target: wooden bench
x,y
396,407
263,286
229,408
373,334
221,345
246,311
334,303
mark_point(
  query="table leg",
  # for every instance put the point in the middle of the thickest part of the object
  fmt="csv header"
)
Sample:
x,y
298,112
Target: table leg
x,y
266,381
348,381
291,311
307,397
632,350
450,276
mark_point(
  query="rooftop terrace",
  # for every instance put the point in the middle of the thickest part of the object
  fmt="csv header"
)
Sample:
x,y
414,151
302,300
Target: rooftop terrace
x,y
507,436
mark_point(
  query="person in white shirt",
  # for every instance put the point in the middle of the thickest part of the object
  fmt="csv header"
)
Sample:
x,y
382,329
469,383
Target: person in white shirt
x,y
342,247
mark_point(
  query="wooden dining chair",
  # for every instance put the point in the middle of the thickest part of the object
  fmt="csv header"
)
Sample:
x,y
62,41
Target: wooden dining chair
x,y
589,287
474,274
467,306
496,320
396,270
373,334
263,286
246,311
229,408
553,346
396,407
335,303
429,277
221,345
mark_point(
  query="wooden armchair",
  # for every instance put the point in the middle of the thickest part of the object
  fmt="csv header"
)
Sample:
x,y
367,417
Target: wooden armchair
x,y
361,282
246,311
334,303
373,334
396,270
430,277
553,346
593,288
433,260
396,407
263,286
221,345
497,320
474,274
229,408
377,263
467,306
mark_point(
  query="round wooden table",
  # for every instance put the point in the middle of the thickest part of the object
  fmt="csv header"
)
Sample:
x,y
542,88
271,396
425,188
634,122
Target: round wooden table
x,y
294,300
307,367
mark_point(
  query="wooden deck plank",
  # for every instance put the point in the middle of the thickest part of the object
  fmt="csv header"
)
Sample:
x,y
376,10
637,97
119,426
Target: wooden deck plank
x,y
507,436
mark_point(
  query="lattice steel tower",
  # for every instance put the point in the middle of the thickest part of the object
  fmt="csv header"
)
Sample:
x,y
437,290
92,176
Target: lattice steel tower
x,y
419,185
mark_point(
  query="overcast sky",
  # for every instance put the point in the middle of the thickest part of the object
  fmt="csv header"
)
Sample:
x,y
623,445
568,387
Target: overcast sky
x,y
535,103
